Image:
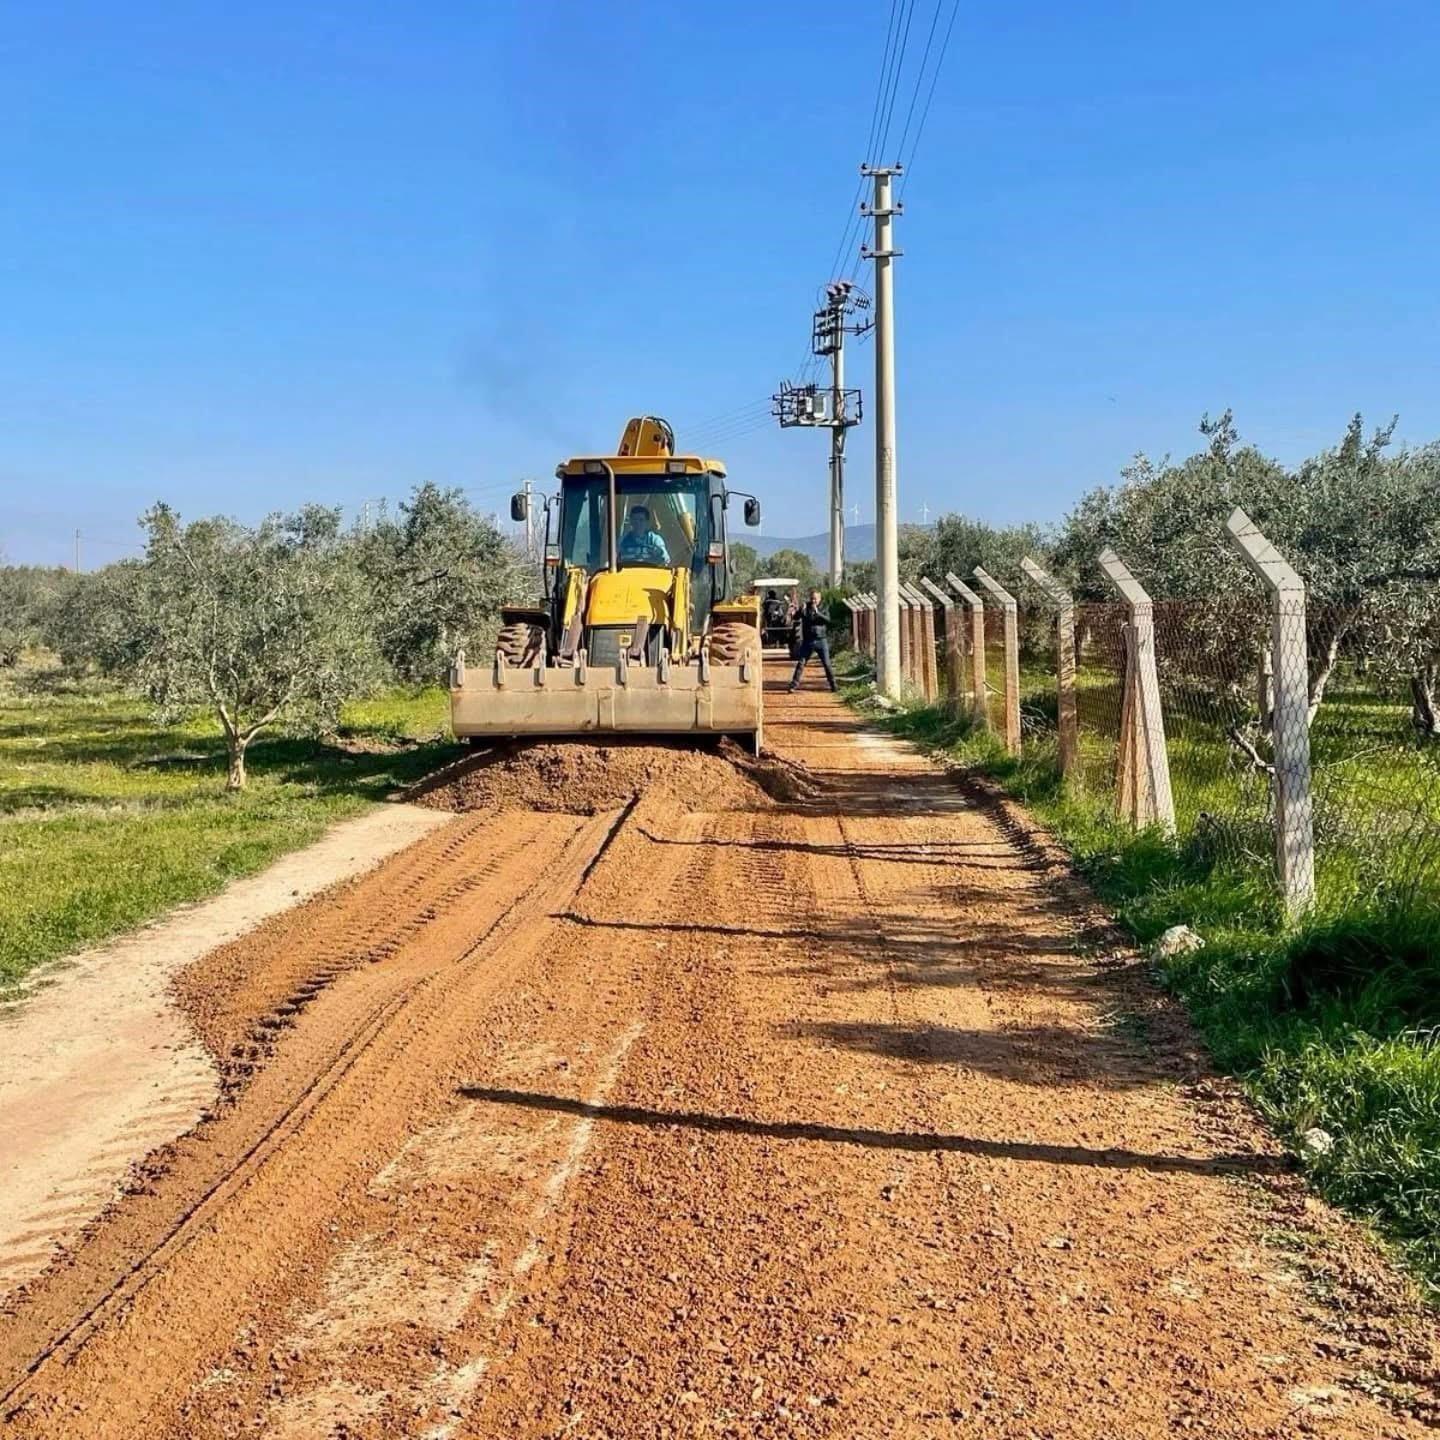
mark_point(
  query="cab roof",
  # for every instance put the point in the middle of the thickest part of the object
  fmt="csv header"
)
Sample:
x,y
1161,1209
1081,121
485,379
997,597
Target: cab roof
x,y
644,465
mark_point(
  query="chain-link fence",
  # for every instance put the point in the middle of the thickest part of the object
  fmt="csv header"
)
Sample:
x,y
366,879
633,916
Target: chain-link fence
x,y
1259,726
1368,701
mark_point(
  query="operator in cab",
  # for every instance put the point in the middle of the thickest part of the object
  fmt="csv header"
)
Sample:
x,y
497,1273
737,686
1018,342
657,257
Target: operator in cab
x,y
640,544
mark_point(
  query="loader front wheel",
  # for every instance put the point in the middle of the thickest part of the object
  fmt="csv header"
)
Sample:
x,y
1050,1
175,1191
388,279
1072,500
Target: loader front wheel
x,y
733,642
521,643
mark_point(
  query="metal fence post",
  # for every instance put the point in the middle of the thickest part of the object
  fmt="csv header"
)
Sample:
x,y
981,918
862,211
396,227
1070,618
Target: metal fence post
x,y
1012,656
979,689
1064,603
952,646
1143,778
1290,660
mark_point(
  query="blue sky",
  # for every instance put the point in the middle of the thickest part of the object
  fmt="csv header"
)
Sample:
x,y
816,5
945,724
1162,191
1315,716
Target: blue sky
x,y
257,255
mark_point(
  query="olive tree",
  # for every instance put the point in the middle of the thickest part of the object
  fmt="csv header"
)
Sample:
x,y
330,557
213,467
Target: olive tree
x,y
439,572
93,623
263,627
743,567
791,562
1360,525
29,596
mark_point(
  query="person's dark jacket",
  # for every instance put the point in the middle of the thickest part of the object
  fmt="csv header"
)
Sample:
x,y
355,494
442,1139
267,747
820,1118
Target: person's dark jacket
x,y
814,623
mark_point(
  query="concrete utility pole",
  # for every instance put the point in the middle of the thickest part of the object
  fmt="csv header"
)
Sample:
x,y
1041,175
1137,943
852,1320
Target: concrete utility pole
x,y
77,552
529,525
837,439
883,253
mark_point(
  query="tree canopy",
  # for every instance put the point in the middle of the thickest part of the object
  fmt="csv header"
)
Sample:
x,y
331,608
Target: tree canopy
x,y
263,627
438,572
789,561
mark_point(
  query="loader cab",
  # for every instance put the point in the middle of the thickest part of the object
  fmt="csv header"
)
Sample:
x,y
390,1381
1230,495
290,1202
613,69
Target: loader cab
x,y
669,513
660,520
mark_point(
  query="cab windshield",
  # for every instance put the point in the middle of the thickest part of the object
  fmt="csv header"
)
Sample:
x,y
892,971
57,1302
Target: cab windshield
x,y
662,521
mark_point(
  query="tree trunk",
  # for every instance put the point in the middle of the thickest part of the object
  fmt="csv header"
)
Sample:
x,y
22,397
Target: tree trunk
x,y
235,747
1324,669
1422,701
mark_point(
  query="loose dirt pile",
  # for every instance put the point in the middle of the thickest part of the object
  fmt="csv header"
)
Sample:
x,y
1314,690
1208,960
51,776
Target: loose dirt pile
x,y
583,779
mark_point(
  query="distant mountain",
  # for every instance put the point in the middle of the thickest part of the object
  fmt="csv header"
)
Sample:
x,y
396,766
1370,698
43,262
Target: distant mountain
x,y
859,545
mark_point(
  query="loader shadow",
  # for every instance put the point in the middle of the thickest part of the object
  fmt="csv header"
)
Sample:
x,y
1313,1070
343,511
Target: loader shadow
x,y
968,854
884,794
1091,1055
695,927
1023,1150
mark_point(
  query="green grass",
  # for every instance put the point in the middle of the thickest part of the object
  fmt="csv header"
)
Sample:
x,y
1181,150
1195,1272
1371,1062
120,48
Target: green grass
x,y
108,819
1331,1023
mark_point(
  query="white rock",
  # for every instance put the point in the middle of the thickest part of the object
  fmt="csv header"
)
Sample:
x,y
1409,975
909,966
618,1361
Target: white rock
x,y
1317,1141
1177,940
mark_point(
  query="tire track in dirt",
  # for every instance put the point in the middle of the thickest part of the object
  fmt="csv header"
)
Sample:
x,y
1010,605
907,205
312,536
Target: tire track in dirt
x,y
147,1242
810,1120
894,1159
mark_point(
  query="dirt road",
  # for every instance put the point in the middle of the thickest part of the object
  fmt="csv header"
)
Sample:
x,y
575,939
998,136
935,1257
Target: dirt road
x,y
833,1116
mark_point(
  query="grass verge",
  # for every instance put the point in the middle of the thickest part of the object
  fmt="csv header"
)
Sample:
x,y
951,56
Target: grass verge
x,y
108,819
1331,1024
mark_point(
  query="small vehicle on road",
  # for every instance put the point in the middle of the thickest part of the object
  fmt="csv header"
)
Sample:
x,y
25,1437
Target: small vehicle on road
x,y
779,597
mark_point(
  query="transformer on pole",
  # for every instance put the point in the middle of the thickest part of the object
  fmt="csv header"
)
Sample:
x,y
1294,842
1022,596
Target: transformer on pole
x,y
834,408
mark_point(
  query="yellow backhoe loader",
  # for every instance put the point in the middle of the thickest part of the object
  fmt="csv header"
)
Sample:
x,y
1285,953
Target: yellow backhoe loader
x,y
637,633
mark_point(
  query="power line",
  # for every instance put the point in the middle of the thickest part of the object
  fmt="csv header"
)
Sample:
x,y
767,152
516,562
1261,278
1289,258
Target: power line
x,y
760,422
711,421
879,155
759,415
887,88
849,234
934,80
919,78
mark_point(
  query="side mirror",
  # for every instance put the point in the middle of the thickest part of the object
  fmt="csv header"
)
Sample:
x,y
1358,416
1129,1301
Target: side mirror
x,y
752,512
519,507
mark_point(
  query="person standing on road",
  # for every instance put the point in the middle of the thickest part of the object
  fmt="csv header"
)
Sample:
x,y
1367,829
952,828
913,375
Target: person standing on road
x,y
814,626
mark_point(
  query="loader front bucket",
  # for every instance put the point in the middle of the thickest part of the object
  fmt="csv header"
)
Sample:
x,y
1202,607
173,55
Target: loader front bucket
x,y
507,701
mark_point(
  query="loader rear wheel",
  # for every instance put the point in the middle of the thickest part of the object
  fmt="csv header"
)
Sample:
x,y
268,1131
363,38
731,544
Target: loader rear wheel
x,y
520,643
732,641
